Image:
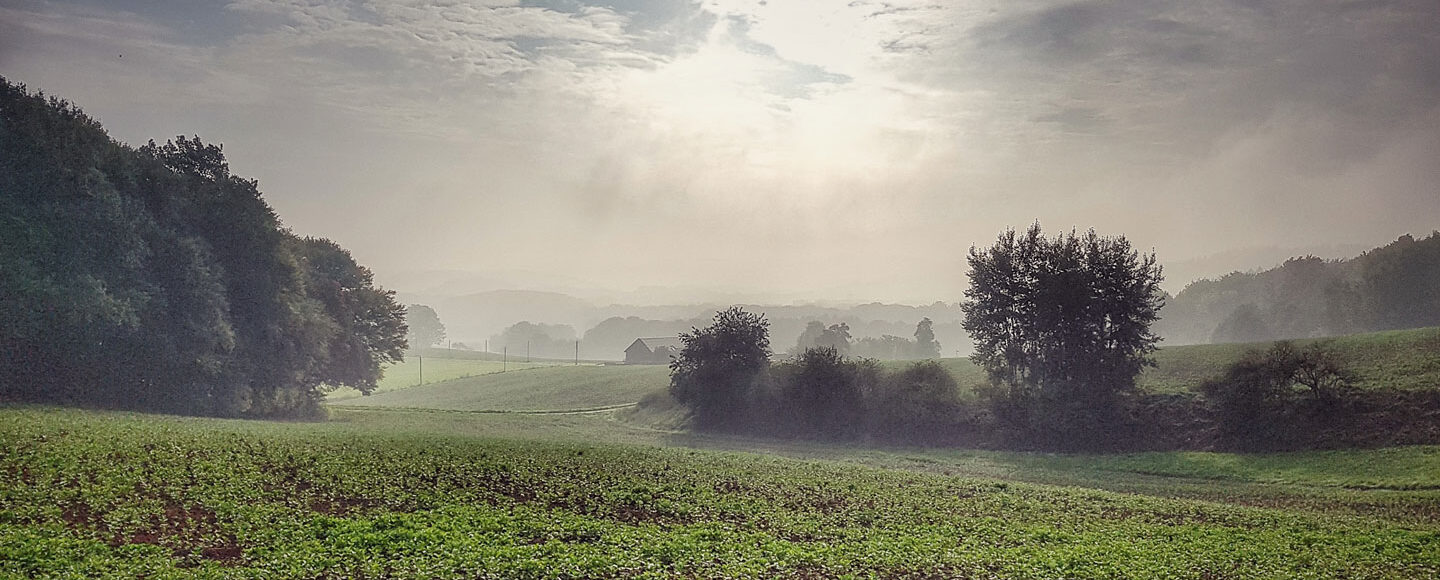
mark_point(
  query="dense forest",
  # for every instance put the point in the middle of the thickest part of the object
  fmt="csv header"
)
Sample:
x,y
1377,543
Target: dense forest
x,y
154,278
1387,288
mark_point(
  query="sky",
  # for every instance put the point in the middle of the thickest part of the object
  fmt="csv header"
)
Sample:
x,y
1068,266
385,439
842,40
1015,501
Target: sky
x,y
781,150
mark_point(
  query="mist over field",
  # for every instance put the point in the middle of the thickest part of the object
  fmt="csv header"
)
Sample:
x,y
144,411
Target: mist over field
x,y
720,289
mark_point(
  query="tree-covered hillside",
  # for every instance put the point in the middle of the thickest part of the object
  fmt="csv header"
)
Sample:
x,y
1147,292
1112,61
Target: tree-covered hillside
x,y
1388,288
154,278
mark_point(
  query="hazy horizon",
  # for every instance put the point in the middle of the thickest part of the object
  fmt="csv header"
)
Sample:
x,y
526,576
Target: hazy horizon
x,y
840,151
430,285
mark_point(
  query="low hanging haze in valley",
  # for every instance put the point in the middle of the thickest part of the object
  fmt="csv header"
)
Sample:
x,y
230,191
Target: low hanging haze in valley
x,y
683,152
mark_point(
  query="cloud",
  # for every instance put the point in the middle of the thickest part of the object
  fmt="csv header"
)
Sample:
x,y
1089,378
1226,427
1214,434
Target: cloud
x,y
835,143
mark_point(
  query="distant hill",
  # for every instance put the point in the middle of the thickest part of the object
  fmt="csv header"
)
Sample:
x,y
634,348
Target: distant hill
x,y
475,317
1181,273
1391,287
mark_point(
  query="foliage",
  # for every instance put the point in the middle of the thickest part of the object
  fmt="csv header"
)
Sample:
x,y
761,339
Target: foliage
x,y
1398,283
925,345
156,279
369,325
1259,395
920,404
720,366
817,335
1390,287
822,394
891,347
425,328
1061,327
386,495
884,347
538,340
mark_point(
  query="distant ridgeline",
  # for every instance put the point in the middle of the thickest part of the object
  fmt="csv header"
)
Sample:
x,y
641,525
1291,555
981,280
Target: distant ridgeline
x,y
155,279
1392,287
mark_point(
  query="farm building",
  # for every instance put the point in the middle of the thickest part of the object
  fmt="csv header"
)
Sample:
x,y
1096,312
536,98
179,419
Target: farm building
x,y
652,351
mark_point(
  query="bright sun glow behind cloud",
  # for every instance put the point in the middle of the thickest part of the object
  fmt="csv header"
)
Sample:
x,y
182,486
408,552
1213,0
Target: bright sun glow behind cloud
x,y
827,148
810,118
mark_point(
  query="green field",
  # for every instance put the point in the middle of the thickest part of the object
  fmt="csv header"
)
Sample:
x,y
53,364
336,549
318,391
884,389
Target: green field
x,y
471,381
539,473
383,493
551,388
1400,359
437,369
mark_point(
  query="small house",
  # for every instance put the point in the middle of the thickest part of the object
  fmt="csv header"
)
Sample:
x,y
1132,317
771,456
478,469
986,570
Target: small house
x,y
652,351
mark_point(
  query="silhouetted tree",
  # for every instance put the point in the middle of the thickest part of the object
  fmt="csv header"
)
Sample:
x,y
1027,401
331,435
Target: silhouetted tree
x,y
836,336
1062,328
425,326
809,338
1400,282
719,366
822,395
925,345
1258,398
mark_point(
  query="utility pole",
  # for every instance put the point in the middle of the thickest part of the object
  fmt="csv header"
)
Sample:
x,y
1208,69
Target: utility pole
x,y
577,353
504,357
422,368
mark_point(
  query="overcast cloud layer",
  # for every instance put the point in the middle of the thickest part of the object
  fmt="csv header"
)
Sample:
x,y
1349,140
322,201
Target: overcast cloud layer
x,y
833,150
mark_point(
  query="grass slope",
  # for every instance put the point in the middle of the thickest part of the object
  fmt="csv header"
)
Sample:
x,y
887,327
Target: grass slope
x,y
1405,359
437,369
551,388
1400,359
404,494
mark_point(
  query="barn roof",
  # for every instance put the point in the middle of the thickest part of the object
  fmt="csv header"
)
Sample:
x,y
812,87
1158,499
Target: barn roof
x,y
653,343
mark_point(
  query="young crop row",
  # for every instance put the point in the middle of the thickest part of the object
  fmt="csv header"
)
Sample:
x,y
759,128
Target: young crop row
x,y
88,494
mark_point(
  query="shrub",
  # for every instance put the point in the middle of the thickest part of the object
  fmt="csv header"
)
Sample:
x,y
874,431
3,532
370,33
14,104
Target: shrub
x,y
920,404
821,394
720,367
1263,400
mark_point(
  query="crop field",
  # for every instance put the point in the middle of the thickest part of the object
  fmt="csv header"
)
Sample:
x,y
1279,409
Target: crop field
x,y
383,493
549,388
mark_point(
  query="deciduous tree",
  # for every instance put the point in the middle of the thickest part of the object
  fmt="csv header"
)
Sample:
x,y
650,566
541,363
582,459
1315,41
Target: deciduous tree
x,y
425,328
719,366
1062,327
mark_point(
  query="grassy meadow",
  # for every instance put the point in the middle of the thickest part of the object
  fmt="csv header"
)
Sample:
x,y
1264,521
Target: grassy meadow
x,y
474,381
547,388
438,366
1399,359
550,472
389,493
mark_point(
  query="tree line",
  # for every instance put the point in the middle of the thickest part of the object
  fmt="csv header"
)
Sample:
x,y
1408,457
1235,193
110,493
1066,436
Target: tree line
x,y
1387,288
153,278
1062,329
